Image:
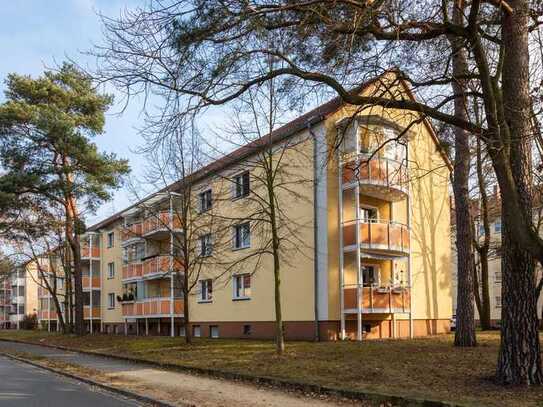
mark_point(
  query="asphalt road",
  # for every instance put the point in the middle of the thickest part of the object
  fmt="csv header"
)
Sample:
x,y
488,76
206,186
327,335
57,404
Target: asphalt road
x,y
23,385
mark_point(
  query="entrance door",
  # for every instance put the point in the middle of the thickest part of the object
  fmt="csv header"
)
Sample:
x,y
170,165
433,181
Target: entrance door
x,y
369,275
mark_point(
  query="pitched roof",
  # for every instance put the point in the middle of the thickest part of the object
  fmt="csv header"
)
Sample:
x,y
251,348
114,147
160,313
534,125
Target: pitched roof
x,y
312,117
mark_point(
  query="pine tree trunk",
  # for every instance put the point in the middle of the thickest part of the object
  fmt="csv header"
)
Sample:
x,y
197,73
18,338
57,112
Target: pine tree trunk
x,y
484,312
465,318
519,360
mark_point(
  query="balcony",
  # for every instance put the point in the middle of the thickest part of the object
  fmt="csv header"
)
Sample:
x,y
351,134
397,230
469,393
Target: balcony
x,y
380,177
160,265
378,300
133,231
159,226
46,314
378,235
87,281
152,308
87,312
87,253
132,271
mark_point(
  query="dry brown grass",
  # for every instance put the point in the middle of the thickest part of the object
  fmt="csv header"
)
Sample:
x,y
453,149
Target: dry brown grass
x,y
429,368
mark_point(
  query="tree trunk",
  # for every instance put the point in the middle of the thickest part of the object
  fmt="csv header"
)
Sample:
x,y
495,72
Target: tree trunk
x,y
484,312
72,237
519,360
186,318
465,318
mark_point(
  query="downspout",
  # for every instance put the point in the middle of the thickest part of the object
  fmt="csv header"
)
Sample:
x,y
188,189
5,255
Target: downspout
x,y
310,121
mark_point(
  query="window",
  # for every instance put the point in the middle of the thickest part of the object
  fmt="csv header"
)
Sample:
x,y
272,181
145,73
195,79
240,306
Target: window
x,y
111,300
498,226
247,330
110,270
242,236
213,331
196,331
498,302
481,229
498,277
206,245
368,214
370,275
242,286
60,283
206,290
206,201
110,239
241,185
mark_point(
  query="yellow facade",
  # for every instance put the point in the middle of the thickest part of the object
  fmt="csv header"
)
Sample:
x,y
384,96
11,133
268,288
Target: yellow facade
x,y
310,269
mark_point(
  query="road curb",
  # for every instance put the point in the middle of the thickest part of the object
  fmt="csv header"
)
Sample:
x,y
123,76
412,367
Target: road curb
x,y
301,387
122,392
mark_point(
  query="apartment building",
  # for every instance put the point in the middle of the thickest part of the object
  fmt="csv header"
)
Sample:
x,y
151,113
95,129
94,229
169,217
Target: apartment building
x,y
372,220
494,264
5,303
24,294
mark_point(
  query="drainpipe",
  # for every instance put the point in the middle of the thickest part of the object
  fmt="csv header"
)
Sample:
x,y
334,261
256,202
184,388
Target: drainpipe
x,y
172,323
316,231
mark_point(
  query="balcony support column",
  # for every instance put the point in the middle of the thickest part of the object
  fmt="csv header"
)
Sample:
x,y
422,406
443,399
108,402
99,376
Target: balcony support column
x,y
172,322
125,327
146,326
409,266
359,277
341,252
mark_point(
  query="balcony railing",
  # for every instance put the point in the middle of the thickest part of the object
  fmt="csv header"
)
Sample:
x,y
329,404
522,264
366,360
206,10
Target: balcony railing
x,y
132,231
160,264
87,280
132,270
377,171
152,307
46,314
378,235
87,311
86,251
161,222
378,299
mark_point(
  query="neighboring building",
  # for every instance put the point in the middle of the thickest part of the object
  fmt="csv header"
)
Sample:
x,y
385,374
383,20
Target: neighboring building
x,y
494,263
376,260
5,302
24,294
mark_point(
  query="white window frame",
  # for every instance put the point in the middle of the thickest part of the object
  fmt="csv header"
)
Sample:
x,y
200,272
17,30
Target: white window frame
x,y
498,277
368,207
498,226
196,328
238,189
111,270
206,245
211,333
206,295
204,203
241,277
240,227
498,302
110,239
111,301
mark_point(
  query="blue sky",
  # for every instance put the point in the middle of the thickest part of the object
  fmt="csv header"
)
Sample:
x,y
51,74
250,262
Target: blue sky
x,y
37,34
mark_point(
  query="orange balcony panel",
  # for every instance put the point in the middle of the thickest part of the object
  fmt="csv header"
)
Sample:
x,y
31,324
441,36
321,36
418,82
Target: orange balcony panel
x,y
132,231
86,252
377,171
379,235
159,306
377,299
161,221
133,270
87,312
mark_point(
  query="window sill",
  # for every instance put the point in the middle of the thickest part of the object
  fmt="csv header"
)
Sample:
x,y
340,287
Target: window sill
x,y
237,198
235,249
110,309
205,301
241,298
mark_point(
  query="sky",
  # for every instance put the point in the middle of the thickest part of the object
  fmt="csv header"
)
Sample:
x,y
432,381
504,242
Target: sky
x,y
40,34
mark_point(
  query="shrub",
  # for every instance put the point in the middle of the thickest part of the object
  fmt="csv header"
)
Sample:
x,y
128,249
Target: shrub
x,y
29,322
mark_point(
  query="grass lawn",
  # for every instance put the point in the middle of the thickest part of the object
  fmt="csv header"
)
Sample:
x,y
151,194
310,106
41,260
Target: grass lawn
x,y
428,368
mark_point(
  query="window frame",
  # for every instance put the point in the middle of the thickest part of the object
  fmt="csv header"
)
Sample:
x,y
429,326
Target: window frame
x,y
111,267
205,200
204,287
238,185
204,245
239,227
194,328
241,277
110,239
110,296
